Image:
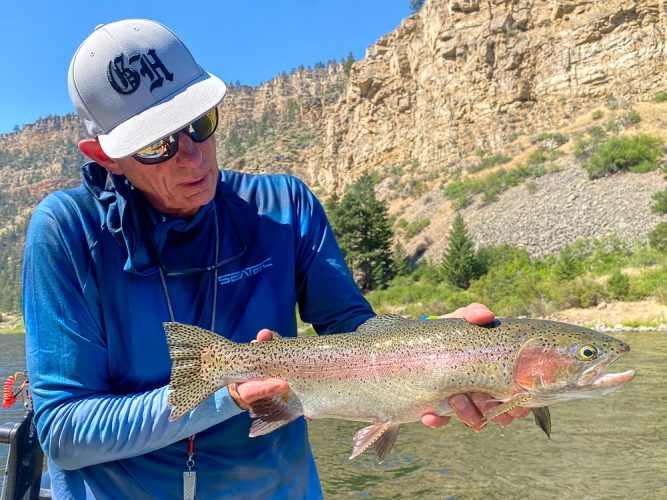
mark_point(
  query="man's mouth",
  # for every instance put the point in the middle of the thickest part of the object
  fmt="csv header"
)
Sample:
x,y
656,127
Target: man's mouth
x,y
195,183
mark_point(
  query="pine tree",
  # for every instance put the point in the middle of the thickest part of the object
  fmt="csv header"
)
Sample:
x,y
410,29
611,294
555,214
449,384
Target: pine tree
x,y
415,5
402,265
364,234
459,263
347,64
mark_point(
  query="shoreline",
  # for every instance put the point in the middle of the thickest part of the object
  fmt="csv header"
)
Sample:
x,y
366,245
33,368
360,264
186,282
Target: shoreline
x,y
641,316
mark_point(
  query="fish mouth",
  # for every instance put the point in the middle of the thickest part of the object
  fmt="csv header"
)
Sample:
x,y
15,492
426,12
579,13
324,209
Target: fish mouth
x,y
596,379
600,380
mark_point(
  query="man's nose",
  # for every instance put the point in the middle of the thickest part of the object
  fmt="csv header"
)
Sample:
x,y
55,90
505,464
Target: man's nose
x,y
188,152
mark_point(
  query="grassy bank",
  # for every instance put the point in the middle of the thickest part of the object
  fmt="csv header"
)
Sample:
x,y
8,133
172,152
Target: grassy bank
x,y
11,323
586,274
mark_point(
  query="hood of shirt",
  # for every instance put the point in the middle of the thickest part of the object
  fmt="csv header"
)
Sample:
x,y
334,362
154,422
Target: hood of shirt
x,y
137,226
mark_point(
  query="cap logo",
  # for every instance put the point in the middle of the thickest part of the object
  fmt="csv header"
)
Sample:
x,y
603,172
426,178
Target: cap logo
x,y
125,79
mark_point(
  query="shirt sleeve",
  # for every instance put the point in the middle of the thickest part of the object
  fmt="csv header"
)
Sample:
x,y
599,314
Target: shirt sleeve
x,y
80,421
328,297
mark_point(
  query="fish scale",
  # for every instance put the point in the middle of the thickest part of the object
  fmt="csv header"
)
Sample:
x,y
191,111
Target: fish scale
x,y
393,370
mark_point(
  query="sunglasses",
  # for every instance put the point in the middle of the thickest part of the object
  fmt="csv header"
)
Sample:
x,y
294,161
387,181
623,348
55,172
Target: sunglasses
x,y
167,147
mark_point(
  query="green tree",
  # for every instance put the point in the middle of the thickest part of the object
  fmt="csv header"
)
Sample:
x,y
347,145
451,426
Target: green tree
x,y
618,285
402,265
415,5
459,263
569,264
347,64
363,231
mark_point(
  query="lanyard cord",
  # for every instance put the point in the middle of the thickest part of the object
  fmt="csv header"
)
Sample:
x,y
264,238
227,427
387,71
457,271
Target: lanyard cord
x,y
163,280
191,440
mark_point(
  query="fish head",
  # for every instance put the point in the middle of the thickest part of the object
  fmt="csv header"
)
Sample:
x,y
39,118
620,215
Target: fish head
x,y
564,362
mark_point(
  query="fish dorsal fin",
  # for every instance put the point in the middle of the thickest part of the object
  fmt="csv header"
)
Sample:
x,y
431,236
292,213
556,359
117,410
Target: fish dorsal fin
x,y
368,436
543,419
269,414
380,323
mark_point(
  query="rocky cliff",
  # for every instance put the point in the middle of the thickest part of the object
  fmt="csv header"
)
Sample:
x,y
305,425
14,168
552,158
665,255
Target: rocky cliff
x,y
457,83
461,75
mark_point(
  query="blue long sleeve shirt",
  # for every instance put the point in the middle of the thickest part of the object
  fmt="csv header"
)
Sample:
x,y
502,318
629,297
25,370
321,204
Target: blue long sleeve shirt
x,y
96,351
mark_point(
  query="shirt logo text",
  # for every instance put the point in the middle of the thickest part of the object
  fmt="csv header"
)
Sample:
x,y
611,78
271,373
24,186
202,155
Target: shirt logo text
x,y
225,279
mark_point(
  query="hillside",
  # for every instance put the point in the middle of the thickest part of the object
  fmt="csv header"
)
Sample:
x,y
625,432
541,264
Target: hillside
x,y
459,90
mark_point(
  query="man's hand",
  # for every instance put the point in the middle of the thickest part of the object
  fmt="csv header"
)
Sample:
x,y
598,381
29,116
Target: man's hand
x,y
246,393
470,408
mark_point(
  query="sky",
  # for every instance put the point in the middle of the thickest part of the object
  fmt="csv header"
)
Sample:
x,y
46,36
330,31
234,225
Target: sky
x,y
250,41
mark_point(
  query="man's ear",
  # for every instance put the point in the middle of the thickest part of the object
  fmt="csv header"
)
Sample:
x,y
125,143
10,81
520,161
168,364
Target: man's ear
x,y
93,150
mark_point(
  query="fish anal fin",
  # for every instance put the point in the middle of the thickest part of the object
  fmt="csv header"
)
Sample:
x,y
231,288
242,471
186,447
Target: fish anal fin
x,y
366,437
269,414
385,443
543,419
515,402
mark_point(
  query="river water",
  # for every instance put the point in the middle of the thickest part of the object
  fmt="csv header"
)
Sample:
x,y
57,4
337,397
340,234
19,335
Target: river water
x,y
609,447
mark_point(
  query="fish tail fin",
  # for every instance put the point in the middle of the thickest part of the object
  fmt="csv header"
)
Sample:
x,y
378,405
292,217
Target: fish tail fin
x,y
188,385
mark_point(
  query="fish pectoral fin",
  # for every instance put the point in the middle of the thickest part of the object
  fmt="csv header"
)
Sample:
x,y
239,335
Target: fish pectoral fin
x,y
515,402
368,436
269,414
385,443
543,419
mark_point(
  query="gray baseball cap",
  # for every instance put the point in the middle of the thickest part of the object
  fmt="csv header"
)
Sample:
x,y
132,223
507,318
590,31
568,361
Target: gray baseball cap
x,y
134,82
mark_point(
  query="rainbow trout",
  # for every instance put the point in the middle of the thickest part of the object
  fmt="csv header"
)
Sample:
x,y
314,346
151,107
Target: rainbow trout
x,y
393,370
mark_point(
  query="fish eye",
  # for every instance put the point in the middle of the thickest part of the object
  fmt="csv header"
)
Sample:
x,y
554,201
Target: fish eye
x,y
587,352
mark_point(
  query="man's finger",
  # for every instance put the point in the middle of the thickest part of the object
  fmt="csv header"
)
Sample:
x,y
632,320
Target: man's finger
x,y
485,403
433,420
467,411
520,412
254,390
477,314
264,335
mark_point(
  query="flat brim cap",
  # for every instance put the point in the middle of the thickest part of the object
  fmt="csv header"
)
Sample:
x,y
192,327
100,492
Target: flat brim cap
x,y
134,82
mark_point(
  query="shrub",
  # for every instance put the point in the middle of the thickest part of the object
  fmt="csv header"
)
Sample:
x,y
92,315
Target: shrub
x,y
660,96
584,148
597,114
414,228
618,285
580,292
617,124
661,294
488,162
660,205
556,138
612,102
657,238
620,154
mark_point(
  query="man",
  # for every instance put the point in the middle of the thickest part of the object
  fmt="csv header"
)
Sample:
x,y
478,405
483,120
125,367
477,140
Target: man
x,y
157,233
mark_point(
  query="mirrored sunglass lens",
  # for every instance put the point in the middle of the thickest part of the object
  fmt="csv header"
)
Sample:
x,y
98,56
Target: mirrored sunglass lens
x,y
163,147
202,128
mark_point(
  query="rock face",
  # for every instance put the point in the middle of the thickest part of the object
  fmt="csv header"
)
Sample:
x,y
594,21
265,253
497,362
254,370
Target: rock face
x,y
461,75
563,207
457,77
